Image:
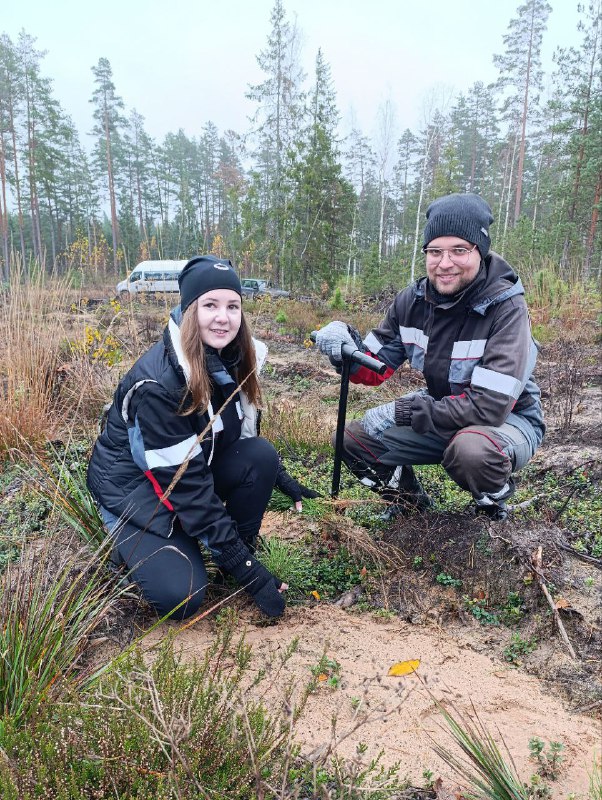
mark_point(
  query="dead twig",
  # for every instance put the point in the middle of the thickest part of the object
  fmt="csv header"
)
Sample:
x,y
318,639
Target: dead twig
x,y
597,562
524,504
536,568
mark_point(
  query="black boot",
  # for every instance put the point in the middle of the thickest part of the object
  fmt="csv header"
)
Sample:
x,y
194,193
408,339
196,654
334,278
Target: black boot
x,y
409,496
494,504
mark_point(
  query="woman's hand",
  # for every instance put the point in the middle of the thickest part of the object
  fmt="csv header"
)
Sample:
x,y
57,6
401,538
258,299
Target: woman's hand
x,y
291,487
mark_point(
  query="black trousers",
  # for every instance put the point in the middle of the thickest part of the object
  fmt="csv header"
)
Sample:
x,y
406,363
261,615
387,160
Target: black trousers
x,y
170,571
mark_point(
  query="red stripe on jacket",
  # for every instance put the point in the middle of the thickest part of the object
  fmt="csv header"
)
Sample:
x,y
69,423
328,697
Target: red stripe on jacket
x,y
158,490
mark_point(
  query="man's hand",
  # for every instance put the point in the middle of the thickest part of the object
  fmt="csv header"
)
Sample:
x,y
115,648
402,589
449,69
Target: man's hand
x,y
331,338
376,420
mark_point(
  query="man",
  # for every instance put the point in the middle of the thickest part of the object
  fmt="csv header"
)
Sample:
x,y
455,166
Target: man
x,y
465,326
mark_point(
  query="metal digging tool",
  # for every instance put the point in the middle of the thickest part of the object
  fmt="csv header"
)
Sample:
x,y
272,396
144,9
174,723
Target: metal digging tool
x,y
351,355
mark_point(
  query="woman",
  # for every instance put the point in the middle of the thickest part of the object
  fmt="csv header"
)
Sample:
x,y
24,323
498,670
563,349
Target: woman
x,y
179,463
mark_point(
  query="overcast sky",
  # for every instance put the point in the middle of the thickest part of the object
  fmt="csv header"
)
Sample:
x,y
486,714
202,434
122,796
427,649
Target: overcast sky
x,y
186,62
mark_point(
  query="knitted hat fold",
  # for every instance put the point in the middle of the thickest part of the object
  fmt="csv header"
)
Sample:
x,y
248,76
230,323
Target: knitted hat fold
x,y
466,216
202,274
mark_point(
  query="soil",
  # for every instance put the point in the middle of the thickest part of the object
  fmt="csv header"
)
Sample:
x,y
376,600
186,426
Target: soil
x,y
545,694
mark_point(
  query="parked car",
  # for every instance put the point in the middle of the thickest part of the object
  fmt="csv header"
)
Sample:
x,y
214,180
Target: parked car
x,y
151,277
255,287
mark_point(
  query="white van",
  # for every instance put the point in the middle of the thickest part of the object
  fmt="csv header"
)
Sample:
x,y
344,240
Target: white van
x,y
151,277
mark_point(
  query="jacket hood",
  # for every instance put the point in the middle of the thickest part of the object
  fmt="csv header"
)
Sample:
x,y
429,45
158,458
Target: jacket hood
x,y
502,282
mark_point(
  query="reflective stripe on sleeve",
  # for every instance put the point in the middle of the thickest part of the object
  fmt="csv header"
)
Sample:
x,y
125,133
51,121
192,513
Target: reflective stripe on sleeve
x,y
372,343
469,349
414,336
496,381
175,455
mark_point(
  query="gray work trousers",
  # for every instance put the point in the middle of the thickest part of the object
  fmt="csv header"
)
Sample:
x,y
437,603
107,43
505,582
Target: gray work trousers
x,y
480,459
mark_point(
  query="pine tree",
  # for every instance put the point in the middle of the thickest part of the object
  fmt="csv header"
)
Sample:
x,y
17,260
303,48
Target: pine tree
x,y
322,201
11,94
580,126
276,125
521,76
107,130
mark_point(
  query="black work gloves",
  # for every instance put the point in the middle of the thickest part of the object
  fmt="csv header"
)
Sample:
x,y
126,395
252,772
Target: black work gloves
x,y
295,490
255,579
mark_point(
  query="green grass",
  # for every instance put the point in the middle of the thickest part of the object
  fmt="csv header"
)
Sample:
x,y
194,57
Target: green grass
x,y
310,569
482,763
50,605
60,481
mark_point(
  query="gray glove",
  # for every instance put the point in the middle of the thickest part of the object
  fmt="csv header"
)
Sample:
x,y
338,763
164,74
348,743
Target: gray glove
x,y
376,420
331,338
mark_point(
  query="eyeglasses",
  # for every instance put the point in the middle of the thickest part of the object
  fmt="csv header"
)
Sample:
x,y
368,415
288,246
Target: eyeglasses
x,y
459,255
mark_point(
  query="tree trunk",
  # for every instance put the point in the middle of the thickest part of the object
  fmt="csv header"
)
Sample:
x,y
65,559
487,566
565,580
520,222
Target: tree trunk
x,y
4,212
589,247
114,224
17,182
523,135
507,214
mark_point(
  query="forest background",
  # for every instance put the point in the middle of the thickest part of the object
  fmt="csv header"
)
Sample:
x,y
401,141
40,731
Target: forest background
x,y
290,198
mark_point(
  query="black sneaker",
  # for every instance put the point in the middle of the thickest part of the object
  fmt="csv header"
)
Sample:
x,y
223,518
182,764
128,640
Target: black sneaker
x,y
494,505
497,512
407,502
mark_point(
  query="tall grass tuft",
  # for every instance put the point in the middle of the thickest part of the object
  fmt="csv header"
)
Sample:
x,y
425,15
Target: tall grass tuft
x,y
51,602
484,765
60,478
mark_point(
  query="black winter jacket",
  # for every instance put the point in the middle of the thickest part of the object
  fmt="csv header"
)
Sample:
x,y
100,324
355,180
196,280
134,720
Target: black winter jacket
x,y
145,441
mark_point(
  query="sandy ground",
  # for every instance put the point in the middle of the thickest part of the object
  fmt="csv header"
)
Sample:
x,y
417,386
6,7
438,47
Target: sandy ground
x,y
401,715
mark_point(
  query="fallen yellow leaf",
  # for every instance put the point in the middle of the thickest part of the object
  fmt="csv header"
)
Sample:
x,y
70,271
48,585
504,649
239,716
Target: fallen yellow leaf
x,y
315,594
404,668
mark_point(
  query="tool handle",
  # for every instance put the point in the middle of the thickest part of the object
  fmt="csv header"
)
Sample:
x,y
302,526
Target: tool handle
x,y
355,356
351,353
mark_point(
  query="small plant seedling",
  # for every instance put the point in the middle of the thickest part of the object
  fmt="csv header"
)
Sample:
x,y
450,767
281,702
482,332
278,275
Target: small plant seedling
x,y
328,672
518,648
447,580
478,611
429,777
549,761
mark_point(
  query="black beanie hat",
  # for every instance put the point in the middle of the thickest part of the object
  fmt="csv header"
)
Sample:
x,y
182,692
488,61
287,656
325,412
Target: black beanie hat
x,y
204,273
467,216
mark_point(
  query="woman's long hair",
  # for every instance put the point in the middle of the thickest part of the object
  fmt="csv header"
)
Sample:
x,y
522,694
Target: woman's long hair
x,y
199,382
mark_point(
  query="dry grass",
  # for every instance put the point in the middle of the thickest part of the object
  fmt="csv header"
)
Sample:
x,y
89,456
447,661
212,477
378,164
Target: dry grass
x,y
284,423
60,355
31,334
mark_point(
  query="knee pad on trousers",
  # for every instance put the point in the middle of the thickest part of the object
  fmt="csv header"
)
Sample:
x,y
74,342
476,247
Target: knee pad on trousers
x,y
476,462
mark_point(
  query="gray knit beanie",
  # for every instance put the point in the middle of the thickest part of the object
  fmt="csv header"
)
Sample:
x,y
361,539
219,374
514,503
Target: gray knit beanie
x,y
467,216
204,273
